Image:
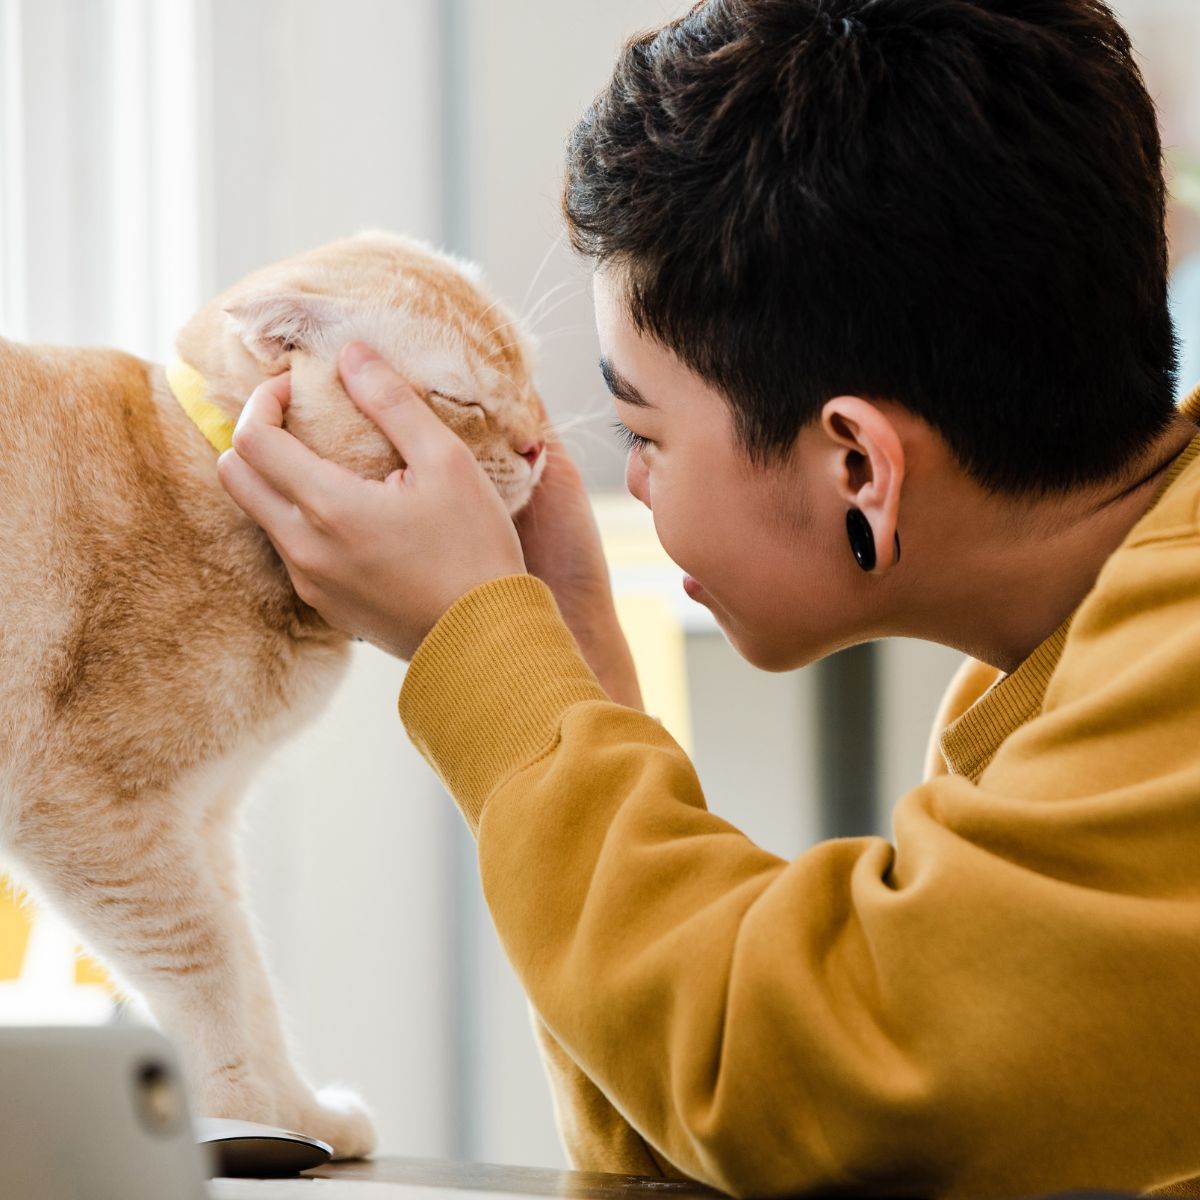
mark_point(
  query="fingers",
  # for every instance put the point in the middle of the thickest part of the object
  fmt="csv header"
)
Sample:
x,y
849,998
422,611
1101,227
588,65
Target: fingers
x,y
405,419
260,502
270,399
286,464
276,516
560,470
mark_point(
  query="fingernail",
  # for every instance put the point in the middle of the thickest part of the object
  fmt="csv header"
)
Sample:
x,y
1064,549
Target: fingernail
x,y
357,355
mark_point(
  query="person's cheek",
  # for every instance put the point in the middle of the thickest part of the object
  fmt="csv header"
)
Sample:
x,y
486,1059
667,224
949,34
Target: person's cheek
x,y
637,478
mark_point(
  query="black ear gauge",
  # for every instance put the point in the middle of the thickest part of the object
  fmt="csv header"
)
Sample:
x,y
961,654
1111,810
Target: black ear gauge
x,y
862,540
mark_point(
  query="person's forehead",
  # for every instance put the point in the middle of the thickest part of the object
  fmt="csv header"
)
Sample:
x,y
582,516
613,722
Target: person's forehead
x,y
639,370
612,316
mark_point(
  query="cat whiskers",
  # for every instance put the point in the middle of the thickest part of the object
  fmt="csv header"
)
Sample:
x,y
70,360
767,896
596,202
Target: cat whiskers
x,y
575,426
554,245
566,331
537,312
547,310
572,422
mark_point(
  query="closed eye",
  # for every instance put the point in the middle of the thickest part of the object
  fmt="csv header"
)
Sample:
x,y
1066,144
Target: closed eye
x,y
632,441
464,406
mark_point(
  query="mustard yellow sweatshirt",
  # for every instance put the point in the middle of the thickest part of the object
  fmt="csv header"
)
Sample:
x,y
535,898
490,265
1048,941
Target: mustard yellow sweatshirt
x,y
1002,1001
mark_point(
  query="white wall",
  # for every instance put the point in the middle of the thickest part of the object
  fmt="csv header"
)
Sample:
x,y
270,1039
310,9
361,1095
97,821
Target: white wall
x,y
324,121
99,202
912,680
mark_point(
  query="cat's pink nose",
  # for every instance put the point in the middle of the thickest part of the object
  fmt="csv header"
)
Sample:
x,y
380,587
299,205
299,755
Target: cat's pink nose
x,y
532,452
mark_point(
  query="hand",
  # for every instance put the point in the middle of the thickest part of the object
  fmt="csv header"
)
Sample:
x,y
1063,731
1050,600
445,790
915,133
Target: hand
x,y
382,560
561,544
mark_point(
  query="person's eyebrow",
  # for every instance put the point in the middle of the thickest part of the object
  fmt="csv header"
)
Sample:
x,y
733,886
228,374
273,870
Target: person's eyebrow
x,y
621,388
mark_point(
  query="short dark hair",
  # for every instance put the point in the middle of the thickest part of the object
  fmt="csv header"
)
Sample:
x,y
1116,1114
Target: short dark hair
x,y
957,205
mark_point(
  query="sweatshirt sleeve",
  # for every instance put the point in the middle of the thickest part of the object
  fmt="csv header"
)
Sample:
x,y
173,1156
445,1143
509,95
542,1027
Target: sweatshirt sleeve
x,y
940,1017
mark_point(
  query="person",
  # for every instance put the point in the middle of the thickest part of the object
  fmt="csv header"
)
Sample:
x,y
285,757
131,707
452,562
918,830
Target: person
x,y
881,299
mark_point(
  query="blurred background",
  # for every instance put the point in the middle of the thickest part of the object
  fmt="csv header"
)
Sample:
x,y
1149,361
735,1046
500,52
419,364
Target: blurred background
x,y
152,152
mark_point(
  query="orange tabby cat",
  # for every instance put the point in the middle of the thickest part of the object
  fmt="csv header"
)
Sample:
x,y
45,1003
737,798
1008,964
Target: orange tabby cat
x,y
152,650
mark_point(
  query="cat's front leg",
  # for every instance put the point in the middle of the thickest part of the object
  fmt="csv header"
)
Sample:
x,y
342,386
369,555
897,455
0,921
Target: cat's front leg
x,y
136,880
335,1115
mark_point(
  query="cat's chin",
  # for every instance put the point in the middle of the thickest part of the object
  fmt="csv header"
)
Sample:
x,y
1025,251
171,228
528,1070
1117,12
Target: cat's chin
x,y
515,507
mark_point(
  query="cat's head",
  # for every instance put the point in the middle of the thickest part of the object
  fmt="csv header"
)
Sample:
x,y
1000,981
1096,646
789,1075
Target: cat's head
x,y
426,313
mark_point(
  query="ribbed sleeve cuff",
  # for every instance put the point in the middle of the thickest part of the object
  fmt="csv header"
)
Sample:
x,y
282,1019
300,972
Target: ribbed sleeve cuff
x,y
486,690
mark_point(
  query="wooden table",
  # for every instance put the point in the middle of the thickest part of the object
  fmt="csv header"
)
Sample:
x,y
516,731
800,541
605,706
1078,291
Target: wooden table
x,y
432,1179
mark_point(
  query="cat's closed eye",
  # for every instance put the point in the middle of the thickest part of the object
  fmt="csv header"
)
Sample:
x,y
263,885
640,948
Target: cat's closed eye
x,y
464,407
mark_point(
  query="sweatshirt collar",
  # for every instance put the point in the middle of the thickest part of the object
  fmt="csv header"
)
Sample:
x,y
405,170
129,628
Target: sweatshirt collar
x,y
970,743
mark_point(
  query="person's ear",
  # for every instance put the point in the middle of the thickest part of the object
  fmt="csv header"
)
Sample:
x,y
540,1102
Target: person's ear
x,y
867,465
273,325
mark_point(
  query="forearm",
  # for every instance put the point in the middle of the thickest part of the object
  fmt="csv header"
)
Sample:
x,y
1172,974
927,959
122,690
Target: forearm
x,y
594,1134
605,650
562,547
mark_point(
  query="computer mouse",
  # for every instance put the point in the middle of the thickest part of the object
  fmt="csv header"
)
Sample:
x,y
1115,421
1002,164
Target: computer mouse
x,y
253,1151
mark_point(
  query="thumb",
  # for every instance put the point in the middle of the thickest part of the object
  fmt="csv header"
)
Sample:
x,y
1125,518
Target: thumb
x,y
391,402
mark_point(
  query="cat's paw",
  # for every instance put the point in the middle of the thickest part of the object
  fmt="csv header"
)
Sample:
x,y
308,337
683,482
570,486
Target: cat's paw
x,y
339,1118
238,1095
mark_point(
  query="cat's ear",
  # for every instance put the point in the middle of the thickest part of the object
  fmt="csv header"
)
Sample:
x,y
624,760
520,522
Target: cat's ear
x,y
272,325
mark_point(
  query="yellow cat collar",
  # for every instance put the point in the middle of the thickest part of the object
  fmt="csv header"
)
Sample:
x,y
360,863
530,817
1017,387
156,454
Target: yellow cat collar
x,y
188,387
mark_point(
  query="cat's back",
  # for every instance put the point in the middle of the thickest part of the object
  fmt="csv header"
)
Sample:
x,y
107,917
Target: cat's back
x,y
60,408
68,420
135,610
67,483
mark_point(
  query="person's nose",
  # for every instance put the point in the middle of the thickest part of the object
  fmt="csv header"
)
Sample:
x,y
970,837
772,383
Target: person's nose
x,y
531,452
637,478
